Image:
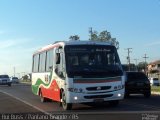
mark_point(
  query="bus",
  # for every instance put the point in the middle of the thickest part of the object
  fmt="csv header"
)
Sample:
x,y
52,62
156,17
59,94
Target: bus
x,y
71,72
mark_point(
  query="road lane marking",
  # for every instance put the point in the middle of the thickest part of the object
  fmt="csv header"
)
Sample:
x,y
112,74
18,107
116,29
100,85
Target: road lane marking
x,y
47,113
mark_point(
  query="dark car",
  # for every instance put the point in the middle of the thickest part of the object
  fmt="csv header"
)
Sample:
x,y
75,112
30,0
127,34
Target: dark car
x,y
137,83
5,80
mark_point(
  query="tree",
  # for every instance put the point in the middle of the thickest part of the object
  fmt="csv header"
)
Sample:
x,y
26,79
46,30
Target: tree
x,y
115,43
25,77
141,66
94,36
104,36
74,37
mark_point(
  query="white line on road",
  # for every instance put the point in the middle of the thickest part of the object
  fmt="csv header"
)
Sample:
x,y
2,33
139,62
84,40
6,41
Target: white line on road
x,y
26,103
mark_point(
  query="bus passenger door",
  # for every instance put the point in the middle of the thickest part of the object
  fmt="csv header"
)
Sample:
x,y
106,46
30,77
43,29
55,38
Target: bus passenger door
x,y
59,75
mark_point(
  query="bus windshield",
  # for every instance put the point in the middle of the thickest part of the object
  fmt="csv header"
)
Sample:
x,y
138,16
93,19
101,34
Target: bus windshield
x,y
92,61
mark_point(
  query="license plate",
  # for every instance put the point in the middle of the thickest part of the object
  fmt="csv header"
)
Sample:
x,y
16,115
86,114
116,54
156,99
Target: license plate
x,y
98,100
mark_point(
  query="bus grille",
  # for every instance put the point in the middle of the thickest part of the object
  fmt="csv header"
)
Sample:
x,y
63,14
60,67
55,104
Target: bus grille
x,y
98,88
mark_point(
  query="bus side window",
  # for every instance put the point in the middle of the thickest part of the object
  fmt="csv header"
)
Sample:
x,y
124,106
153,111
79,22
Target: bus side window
x,y
57,58
49,61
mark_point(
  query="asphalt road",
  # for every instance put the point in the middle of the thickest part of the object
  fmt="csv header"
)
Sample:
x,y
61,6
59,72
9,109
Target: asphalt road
x,y
19,99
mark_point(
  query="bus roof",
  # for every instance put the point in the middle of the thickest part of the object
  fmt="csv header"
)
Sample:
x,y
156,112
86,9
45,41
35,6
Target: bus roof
x,y
63,43
87,43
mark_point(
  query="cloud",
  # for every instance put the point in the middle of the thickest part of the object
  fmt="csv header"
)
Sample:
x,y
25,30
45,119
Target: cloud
x,y
153,43
12,43
6,44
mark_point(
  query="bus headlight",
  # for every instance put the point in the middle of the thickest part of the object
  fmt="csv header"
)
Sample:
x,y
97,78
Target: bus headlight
x,y
119,95
75,98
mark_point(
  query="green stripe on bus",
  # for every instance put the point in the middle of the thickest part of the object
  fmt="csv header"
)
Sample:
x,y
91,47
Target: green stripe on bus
x,y
38,83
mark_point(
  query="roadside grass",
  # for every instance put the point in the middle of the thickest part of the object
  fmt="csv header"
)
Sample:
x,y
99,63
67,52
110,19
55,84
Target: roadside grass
x,y
155,88
25,81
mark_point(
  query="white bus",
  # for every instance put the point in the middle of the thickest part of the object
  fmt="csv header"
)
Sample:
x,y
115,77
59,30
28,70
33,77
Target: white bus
x,y
78,72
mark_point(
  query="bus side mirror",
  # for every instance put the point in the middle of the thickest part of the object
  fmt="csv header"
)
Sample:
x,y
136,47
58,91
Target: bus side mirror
x,y
57,58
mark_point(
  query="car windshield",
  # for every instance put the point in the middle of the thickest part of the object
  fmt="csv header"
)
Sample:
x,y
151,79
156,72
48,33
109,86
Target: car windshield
x,y
92,60
14,78
4,76
136,76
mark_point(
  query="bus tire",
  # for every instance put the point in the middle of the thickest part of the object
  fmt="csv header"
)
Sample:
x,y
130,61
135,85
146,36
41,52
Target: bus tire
x,y
43,99
66,106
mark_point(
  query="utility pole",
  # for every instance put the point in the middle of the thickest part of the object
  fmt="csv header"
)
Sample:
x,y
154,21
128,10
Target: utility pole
x,y
14,69
18,75
145,57
128,57
136,64
91,32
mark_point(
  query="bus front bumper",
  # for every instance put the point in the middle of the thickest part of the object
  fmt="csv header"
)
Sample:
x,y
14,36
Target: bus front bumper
x,y
98,97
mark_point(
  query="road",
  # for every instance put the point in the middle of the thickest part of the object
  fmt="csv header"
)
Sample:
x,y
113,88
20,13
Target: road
x,y
21,97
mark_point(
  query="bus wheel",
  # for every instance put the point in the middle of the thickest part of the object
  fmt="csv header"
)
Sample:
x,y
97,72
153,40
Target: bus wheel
x,y
66,106
43,99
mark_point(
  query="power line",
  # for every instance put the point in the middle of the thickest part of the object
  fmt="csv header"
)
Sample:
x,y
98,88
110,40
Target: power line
x,y
145,57
128,57
136,61
14,69
136,64
91,32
